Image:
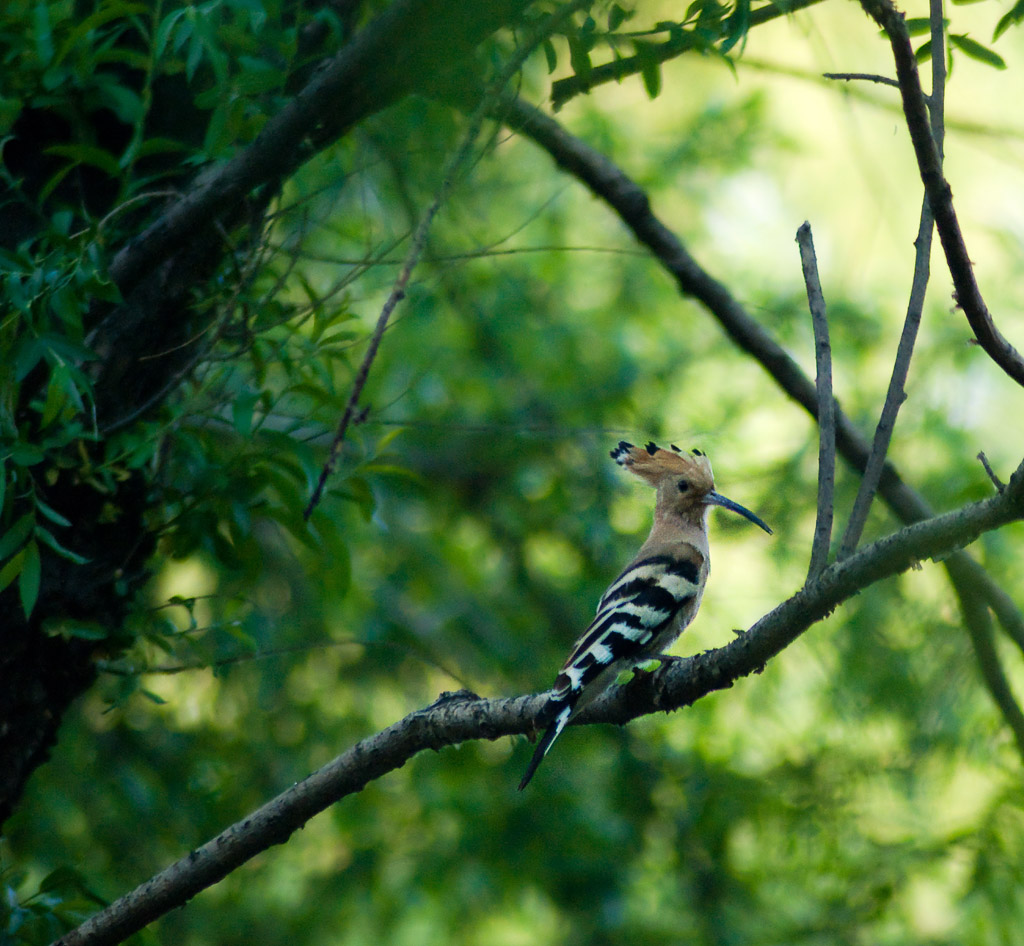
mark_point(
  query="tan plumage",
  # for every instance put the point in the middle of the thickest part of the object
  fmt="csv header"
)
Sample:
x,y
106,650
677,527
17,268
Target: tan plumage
x,y
655,597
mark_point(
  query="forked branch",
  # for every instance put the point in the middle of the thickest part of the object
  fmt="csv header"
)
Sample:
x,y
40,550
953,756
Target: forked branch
x,y
896,394
940,195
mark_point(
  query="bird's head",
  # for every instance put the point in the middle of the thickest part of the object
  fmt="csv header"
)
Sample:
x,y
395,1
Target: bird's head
x,y
684,482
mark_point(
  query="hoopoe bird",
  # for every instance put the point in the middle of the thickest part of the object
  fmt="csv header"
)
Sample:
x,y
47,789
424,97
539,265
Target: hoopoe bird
x,y
657,595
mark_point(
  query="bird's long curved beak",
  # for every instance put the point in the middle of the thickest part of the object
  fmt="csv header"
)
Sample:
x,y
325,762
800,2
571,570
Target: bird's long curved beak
x,y
717,499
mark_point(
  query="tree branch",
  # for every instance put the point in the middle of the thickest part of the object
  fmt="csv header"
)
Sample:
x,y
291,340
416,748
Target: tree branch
x,y
979,627
896,394
826,404
861,76
458,717
940,195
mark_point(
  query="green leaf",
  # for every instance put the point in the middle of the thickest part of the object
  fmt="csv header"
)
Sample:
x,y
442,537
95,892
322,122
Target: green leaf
x,y
650,68
16,536
123,102
579,57
924,52
27,354
617,16
258,76
103,14
87,154
975,50
68,305
163,32
82,630
50,513
390,469
551,54
43,34
242,410
1008,19
11,570
381,445
56,398
357,491
26,454
48,538
28,582
737,25
919,26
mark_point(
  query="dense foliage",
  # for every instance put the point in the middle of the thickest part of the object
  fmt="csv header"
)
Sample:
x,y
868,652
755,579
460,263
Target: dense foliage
x,y
160,438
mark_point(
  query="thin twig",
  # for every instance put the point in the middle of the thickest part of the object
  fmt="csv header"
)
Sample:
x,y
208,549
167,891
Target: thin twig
x,y
451,169
862,76
940,195
996,482
826,404
978,621
937,100
896,394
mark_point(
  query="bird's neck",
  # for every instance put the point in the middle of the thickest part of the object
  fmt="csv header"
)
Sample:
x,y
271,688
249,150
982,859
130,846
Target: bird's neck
x,y
673,525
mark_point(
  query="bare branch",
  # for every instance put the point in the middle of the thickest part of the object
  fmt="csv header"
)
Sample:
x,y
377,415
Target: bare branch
x,y
861,76
452,167
826,404
937,100
1002,605
996,482
461,716
979,627
896,394
940,196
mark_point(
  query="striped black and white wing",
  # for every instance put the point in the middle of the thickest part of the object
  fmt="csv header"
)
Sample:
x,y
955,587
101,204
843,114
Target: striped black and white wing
x,y
641,613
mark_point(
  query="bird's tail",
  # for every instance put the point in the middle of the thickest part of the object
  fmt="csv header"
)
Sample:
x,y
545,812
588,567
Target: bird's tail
x,y
562,714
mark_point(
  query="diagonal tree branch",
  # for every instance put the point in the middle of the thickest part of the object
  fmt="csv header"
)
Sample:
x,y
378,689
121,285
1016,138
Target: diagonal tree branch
x,y
457,717
826,404
896,394
940,195
978,620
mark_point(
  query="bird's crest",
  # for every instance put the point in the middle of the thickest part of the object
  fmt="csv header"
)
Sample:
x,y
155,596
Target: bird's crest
x,y
651,463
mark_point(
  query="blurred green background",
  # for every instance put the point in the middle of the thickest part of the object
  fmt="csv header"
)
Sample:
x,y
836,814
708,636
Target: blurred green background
x,y
863,789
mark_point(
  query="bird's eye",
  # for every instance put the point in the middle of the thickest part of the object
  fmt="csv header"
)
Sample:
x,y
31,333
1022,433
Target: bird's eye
x,y
683,486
